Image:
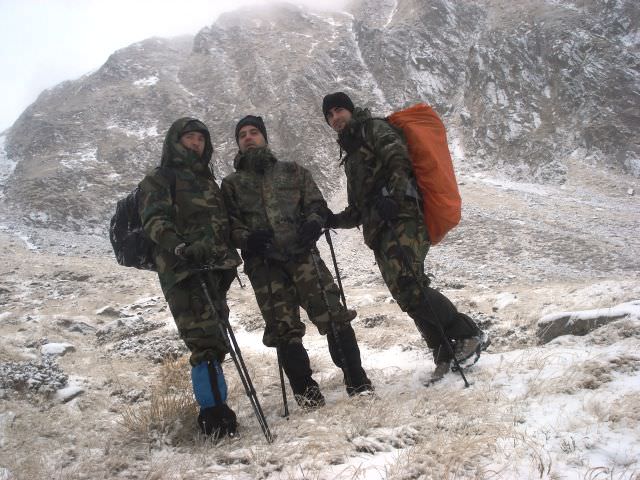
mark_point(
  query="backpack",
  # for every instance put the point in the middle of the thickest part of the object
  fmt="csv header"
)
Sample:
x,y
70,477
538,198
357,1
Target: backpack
x,y
131,245
427,144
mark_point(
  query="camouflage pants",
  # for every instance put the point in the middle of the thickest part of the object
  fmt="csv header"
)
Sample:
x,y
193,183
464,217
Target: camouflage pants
x,y
198,324
282,287
405,287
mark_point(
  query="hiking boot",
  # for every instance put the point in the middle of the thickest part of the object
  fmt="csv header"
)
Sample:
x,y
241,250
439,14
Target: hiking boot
x,y
311,399
364,390
468,350
218,421
439,372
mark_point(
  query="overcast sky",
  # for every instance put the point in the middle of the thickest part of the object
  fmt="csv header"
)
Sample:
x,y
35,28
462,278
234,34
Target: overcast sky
x,y
43,42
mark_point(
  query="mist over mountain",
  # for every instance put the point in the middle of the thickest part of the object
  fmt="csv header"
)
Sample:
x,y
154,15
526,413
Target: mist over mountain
x,y
526,88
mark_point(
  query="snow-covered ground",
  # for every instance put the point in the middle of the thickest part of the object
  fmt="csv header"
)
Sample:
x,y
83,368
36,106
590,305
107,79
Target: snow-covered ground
x,y
94,381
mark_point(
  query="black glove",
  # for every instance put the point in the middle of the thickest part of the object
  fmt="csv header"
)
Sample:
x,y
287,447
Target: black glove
x,y
258,241
309,232
198,252
331,221
387,208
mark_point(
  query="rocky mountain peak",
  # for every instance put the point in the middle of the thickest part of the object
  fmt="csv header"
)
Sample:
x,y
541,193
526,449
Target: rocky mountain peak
x,y
524,87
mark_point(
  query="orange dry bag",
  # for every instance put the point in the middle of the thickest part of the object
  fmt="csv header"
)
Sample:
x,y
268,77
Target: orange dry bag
x,y
433,168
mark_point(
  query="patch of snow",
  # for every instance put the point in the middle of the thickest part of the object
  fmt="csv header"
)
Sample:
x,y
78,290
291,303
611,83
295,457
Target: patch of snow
x,y
633,164
80,159
37,217
506,184
135,131
391,15
6,166
631,39
57,349
457,149
503,300
146,82
536,119
6,420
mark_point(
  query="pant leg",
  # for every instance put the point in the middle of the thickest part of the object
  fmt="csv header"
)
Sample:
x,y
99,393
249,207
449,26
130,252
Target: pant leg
x,y
407,286
199,324
343,347
279,307
318,294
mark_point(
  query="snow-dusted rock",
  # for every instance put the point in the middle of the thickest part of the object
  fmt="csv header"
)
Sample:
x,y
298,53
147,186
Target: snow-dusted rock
x,y
67,394
108,311
580,323
76,325
57,349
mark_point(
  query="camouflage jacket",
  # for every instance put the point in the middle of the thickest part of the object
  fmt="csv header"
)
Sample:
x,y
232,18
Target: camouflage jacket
x,y
198,212
377,164
266,194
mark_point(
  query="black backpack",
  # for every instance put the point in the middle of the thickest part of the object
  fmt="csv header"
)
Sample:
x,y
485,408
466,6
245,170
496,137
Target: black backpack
x,y
131,245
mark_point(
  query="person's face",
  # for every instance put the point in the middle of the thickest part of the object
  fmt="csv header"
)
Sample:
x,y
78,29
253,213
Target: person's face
x,y
194,141
338,117
250,137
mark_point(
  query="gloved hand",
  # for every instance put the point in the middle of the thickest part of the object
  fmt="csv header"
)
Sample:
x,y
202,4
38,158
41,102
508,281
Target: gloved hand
x,y
331,221
387,208
258,241
309,232
198,252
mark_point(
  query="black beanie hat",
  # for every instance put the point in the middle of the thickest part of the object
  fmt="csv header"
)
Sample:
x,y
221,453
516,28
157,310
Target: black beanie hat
x,y
338,99
256,122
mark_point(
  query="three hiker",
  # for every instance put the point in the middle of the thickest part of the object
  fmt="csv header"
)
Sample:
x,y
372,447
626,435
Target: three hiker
x,y
274,213
384,199
277,212
182,211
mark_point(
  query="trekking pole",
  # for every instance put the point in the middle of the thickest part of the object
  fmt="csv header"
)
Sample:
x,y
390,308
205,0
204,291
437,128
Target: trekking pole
x,y
327,236
334,327
285,404
236,355
426,299
239,281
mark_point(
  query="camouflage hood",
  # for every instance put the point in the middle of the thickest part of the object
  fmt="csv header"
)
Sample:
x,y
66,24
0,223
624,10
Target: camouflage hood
x,y
255,160
174,154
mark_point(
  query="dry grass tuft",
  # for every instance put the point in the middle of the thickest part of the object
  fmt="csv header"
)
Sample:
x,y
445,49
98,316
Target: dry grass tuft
x,y
168,416
625,410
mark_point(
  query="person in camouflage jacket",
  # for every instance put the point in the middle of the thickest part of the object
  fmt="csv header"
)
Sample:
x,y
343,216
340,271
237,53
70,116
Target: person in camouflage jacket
x,y
383,197
277,212
183,212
